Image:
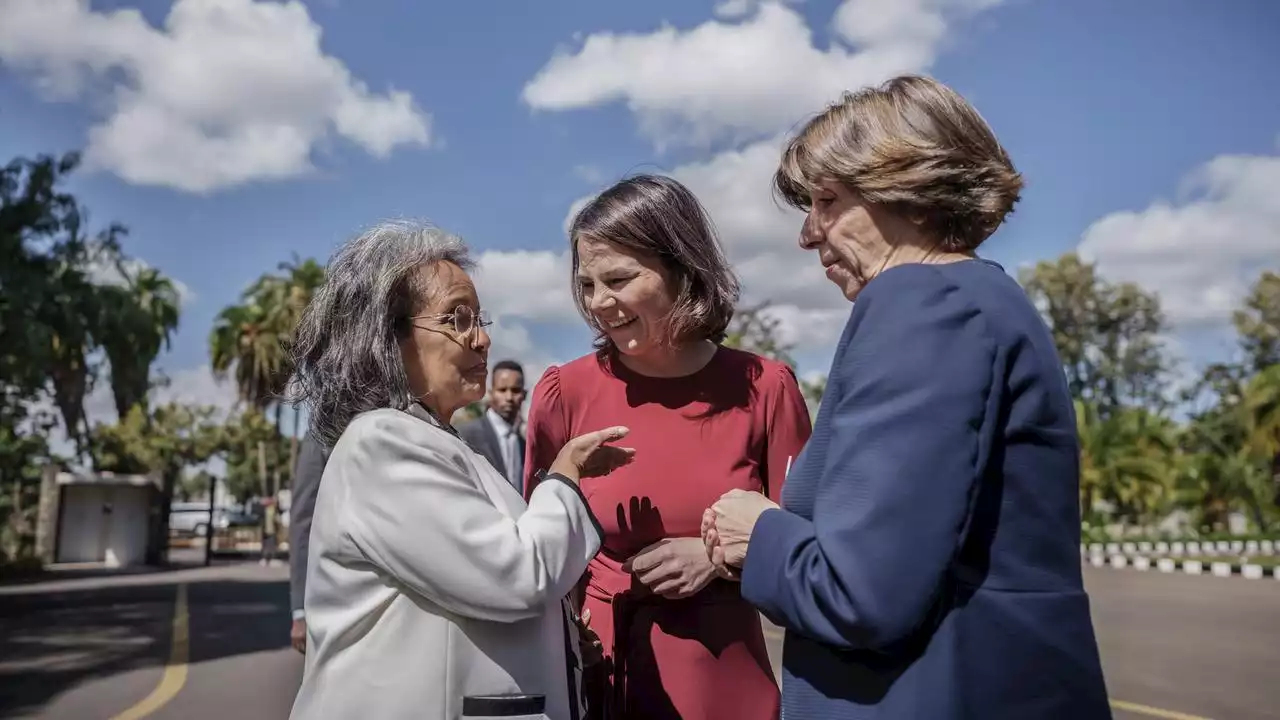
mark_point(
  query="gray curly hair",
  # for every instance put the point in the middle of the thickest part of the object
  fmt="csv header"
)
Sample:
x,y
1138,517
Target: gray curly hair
x,y
346,350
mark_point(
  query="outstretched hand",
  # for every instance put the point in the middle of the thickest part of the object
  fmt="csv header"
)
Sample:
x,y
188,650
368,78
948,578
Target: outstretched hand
x,y
588,456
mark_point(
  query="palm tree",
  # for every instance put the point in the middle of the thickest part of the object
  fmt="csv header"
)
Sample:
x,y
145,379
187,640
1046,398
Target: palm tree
x,y
68,316
1125,459
1262,420
244,340
304,278
254,338
138,320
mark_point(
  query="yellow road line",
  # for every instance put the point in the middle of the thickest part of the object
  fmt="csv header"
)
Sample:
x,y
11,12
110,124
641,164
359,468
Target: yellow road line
x,y
1153,711
175,672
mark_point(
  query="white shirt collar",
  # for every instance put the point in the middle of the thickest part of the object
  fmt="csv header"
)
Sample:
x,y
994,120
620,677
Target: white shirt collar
x,y
500,426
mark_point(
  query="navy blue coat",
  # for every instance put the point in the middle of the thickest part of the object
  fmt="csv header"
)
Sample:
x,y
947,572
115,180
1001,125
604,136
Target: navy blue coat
x,y
927,561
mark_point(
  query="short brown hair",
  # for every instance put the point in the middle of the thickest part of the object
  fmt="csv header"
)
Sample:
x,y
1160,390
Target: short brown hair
x,y
660,217
914,146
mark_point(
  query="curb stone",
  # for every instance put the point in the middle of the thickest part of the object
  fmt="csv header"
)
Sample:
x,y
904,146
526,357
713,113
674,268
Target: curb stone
x,y
1219,568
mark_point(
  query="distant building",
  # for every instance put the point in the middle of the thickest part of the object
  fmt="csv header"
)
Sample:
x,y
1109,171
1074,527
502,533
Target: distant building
x,y
100,518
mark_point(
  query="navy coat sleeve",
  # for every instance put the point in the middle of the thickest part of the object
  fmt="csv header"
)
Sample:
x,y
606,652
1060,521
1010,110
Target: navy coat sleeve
x,y
914,398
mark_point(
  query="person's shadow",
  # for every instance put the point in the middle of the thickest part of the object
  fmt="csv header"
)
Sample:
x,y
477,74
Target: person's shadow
x,y
638,614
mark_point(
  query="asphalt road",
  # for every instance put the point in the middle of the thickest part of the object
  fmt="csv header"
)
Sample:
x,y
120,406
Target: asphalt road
x,y
1173,646
94,647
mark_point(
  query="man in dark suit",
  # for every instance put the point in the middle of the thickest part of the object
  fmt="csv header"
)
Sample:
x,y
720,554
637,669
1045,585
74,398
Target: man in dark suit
x,y
497,434
306,483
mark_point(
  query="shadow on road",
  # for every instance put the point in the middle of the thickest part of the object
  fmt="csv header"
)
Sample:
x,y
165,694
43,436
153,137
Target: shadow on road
x,y
52,641
238,618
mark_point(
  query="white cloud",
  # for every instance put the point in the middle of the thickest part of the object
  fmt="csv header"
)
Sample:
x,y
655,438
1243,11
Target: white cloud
x,y
590,174
526,284
735,9
107,273
521,286
1202,252
575,207
197,386
761,240
748,79
760,237
226,92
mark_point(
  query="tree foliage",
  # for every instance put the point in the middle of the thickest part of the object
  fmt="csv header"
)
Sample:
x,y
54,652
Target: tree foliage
x,y
167,439
75,311
757,330
1258,323
1108,334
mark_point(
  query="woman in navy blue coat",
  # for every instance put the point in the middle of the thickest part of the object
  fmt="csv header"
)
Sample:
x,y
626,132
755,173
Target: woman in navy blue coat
x,y
925,561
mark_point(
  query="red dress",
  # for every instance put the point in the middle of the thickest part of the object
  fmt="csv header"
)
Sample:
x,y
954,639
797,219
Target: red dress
x,y
737,423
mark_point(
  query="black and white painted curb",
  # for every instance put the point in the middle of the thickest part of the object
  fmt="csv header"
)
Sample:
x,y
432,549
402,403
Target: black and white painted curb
x,y
1168,557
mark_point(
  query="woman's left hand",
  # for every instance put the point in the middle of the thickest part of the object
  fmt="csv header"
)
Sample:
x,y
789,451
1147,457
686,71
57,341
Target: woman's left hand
x,y
672,567
735,514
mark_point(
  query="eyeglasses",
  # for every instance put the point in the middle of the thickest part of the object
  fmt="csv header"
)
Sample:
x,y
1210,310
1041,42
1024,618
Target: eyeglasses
x,y
464,319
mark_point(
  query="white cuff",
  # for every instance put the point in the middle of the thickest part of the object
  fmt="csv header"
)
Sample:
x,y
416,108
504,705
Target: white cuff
x,y
299,614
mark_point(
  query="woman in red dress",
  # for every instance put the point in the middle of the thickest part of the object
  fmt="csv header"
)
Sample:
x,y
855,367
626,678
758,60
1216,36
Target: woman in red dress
x,y
650,278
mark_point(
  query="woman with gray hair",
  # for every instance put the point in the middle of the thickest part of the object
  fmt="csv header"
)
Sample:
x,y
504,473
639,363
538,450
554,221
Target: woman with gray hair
x,y
433,589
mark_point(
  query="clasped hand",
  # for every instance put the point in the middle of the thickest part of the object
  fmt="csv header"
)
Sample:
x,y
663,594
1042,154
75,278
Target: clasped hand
x,y
672,567
727,526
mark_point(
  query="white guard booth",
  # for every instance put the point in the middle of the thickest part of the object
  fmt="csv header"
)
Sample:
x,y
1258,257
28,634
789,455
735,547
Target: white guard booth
x,y
104,518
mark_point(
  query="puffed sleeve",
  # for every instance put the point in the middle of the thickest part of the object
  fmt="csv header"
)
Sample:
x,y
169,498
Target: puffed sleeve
x,y
419,514
547,430
915,393
787,429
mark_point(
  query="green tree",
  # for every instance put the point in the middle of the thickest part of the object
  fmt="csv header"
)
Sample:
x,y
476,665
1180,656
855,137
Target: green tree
x,y
756,330
193,485
252,339
245,342
23,451
1258,323
33,209
286,296
1108,334
55,317
1126,460
50,315
1262,421
138,319
169,439
256,454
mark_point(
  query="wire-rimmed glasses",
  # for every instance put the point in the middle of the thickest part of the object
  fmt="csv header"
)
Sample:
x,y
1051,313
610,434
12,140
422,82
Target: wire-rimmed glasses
x,y
464,319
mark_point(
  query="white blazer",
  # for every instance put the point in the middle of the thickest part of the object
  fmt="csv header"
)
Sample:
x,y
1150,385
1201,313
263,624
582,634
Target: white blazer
x,y
430,580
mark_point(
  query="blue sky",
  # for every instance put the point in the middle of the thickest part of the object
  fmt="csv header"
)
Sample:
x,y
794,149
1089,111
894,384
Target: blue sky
x,y
1148,130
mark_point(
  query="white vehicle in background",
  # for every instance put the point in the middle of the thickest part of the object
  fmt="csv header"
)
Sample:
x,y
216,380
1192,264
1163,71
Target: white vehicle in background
x,y
192,518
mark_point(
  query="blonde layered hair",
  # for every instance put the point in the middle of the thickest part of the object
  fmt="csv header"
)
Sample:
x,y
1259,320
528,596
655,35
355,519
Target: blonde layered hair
x,y
914,146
